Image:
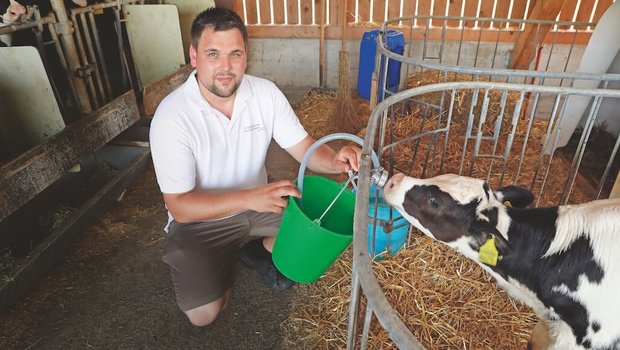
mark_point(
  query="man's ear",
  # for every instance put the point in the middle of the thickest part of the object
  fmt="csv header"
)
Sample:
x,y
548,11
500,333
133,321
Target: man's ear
x,y
514,196
481,231
192,55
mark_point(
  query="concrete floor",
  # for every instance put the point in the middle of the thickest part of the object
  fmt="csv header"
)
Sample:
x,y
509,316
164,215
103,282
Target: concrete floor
x,y
114,292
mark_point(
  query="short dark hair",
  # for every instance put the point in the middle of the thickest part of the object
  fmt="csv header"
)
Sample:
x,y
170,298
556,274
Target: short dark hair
x,y
219,19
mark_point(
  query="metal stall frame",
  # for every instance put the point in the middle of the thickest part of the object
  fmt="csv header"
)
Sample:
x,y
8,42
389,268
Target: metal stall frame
x,y
442,70
443,35
94,69
38,24
364,281
77,43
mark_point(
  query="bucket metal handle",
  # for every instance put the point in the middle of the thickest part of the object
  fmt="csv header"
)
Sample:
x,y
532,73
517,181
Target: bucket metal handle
x,y
321,141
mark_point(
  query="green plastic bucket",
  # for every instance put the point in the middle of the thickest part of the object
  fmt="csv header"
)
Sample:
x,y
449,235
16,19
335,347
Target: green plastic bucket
x,y
304,250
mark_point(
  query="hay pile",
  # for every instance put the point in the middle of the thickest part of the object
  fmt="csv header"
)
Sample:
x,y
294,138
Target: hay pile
x,y
447,301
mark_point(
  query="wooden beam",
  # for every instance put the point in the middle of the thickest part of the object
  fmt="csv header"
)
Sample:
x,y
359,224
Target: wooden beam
x,y
156,91
36,169
533,35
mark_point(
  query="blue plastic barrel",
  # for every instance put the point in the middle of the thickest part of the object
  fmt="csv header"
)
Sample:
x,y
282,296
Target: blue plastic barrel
x,y
395,42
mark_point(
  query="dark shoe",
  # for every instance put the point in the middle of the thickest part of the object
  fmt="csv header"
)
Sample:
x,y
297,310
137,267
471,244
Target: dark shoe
x,y
255,256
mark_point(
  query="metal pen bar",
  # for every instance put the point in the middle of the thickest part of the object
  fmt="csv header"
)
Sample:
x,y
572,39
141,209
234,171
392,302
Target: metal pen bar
x,y
610,161
105,73
587,130
497,130
510,140
84,72
63,62
99,92
366,329
481,121
555,142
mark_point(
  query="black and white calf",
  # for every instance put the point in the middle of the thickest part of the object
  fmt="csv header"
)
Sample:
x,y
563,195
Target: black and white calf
x,y
563,262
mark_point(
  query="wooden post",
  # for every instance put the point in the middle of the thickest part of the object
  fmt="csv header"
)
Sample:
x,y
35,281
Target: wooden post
x,y
533,35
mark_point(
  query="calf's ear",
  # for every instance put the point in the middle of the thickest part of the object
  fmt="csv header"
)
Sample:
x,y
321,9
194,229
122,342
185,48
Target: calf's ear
x,y
482,231
514,196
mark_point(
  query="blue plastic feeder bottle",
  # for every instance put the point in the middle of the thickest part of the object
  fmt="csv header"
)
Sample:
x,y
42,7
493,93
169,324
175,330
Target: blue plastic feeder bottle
x,y
395,42
390,228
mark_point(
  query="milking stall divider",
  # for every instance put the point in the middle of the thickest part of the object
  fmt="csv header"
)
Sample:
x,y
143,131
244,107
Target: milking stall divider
x,y
80,100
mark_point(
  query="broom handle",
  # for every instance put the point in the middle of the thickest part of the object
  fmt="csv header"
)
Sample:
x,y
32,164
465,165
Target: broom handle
x,y
322,46
344,25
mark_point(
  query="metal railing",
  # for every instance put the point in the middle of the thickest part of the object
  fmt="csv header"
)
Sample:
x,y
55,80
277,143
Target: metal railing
x,y
496,139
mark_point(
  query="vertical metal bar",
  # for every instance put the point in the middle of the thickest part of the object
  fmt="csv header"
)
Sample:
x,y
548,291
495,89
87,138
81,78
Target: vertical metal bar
x,y
63,62
447,132
478,46
85,63
481,121
587,130
105,73
525,140
71,55
419,140
570,52
99,92
497,130
458,55
424,49
608,168
353,308
366,329
511,137
409,47
121,49
554,113
443,40
38,32
555,35
470,122
496,47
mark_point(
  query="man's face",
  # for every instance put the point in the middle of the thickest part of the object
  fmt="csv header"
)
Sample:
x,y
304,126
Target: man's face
x,y
220,61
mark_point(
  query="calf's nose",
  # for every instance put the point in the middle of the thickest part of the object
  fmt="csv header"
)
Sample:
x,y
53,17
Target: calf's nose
x,y
395,180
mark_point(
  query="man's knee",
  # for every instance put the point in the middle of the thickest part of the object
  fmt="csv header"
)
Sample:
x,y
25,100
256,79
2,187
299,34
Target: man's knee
x,y
206,314
202,318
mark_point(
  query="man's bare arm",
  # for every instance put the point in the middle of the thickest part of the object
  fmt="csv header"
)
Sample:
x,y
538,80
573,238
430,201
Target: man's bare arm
x,y
198,206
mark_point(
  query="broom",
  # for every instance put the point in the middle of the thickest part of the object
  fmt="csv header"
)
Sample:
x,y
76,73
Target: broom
x,y
345,117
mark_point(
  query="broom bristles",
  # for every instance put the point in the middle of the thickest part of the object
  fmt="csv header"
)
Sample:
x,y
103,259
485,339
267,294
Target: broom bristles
x,y
346,117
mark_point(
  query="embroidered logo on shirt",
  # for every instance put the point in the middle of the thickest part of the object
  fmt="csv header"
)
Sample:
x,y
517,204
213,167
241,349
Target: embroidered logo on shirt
x,y
254,127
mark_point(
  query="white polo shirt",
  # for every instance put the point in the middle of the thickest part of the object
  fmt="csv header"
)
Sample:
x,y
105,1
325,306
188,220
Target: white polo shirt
x,y
194,146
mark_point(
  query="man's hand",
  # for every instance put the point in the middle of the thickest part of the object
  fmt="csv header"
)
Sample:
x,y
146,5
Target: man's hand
x,y
347,158
196,206
272,197
324,160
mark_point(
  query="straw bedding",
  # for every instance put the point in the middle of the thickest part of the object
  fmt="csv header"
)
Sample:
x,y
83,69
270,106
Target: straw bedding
x,y
447,301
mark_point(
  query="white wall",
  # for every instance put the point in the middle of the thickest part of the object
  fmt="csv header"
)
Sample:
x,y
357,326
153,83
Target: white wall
x,y
295,62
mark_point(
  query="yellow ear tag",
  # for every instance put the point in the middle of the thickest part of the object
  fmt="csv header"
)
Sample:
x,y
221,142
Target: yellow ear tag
x,y
488,252
507,203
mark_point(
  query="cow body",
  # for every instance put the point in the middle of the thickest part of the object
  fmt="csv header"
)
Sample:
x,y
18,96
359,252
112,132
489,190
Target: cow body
x,y
11,13
562,261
